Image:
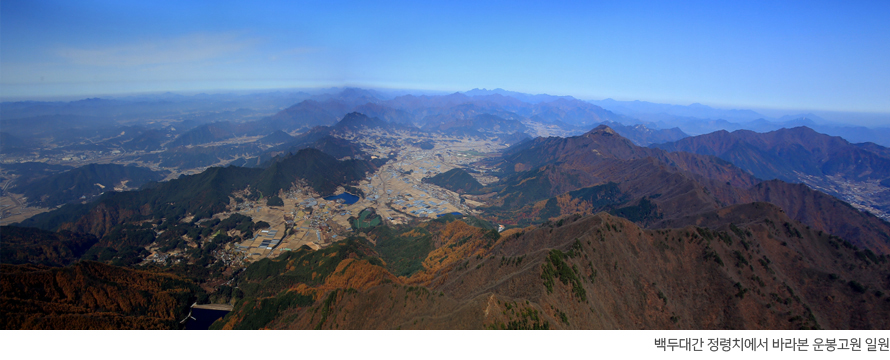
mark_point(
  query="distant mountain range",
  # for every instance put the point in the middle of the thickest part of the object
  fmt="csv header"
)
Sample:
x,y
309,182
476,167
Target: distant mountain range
x,y
106,125
454,113
157,106
636,108
697,119
533,99
301,110
308,113
801,155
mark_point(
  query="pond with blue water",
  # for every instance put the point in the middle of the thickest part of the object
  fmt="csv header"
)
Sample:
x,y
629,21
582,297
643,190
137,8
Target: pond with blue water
x,y
348,198
201,319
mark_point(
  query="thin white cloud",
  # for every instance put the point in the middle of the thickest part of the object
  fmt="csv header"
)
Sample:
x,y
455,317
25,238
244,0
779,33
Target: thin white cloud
x,y
187,49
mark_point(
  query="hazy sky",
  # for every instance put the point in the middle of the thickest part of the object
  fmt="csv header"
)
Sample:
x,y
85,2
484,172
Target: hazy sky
x,y
802,55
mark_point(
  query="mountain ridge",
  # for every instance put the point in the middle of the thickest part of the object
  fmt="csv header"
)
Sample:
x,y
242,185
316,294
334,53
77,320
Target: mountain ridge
x,y
801,155
547,168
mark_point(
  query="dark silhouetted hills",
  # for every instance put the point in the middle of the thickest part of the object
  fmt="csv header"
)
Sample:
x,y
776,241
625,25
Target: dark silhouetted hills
x,y
208,133
457,180
354,122
84,183
35,246
11,144
276,137
320,138
29,171
321,171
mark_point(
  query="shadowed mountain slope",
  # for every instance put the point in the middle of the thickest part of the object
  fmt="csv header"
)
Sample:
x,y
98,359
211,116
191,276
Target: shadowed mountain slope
x,y
354,122
35,246
276,137
786,153
90,295
678,184
319,170
456,180
857,173
84,182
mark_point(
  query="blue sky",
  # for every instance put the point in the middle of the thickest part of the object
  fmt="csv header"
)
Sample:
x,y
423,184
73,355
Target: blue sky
x,y
797,55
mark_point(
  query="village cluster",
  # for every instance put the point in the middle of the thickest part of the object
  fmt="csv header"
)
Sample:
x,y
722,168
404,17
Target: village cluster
x,y
396,192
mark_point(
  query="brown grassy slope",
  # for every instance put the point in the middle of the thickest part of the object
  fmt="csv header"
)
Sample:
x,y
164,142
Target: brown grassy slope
x,y
765,271
826,213
90,295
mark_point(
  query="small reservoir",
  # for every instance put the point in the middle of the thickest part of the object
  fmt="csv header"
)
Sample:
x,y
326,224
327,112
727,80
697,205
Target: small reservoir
x,y
348,198
202,316
453,213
